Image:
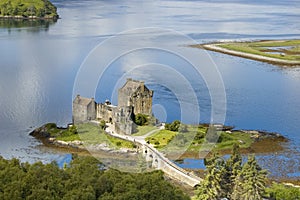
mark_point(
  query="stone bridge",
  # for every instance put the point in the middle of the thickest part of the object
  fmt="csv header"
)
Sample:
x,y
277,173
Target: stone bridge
x,y
159,161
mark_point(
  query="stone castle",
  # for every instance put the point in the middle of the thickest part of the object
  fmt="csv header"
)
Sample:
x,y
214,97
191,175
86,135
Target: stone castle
x,y
133,98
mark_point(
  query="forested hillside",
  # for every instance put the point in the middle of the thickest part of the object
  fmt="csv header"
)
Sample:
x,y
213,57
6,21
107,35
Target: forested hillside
x,y
27,9
83,179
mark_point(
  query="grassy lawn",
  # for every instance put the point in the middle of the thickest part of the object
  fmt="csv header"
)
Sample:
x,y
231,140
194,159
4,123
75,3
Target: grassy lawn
x,y
195,139
92,134
161,138
285,50
142,130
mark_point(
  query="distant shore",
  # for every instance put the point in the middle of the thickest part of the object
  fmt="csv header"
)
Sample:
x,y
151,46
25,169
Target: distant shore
x,y
239,49
20,17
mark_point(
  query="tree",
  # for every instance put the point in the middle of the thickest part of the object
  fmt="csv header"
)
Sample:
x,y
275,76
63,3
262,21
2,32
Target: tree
x,y
229,179
250,182
31,10
210,187
174,126
233,166
82,179
141,119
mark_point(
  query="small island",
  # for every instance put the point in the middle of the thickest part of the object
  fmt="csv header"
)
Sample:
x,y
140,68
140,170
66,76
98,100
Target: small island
x,y
22,9
103,126
130,129
277,52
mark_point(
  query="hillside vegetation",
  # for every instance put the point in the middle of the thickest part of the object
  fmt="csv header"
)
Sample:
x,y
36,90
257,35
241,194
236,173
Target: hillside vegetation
x,y
83,178
27,9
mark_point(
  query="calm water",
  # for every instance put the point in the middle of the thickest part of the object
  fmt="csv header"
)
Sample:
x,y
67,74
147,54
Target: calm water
x,y
39,63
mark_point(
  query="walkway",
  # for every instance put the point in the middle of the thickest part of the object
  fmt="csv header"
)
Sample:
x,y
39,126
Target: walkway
x,y
165,164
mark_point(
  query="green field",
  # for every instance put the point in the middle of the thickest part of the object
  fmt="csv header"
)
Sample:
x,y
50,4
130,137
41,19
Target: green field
x,y
161,138
142,130
195,139
89,134
285,49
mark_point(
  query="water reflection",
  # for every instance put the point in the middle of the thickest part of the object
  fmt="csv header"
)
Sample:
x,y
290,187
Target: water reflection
x,y
30,25
39,61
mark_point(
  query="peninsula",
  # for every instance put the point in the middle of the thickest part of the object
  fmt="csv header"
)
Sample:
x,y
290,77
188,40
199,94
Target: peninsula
x,y
22,9
278,52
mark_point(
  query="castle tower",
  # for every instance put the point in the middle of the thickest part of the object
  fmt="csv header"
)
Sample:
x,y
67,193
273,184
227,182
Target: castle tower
x,y
134,93
84,109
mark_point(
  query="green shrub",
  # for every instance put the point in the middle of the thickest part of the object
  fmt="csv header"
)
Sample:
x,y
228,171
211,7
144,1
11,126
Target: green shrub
x,y
174,126
199,135
141,119
280,191
119,143
102,124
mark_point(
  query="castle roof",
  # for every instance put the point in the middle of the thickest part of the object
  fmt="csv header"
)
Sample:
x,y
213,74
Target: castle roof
x,y
83,100
131,86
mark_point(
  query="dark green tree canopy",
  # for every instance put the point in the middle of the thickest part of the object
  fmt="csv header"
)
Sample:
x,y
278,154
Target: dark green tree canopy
x,y
28,8
232,180
82,179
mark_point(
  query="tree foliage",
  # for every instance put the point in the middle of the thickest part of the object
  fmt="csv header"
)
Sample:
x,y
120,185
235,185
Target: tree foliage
x,y
141,119
174,126
232,180
210,188
250,182
280,191
82,179
27,8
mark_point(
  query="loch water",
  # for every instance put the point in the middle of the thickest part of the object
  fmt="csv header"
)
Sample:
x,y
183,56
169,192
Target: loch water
x,y
39,63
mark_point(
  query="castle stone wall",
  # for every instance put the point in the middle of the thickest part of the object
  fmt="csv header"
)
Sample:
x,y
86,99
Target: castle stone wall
x,y
84,109
136,94
133,98
106,112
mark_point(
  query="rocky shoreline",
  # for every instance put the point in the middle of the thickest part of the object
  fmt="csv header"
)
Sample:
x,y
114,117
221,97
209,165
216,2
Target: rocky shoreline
x,y
264,142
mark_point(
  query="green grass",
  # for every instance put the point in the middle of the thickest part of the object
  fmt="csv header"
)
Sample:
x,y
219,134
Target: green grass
x,y
161,138
274,43
54,131
142,130
91,134
194,140
260,48
68,138
229,139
